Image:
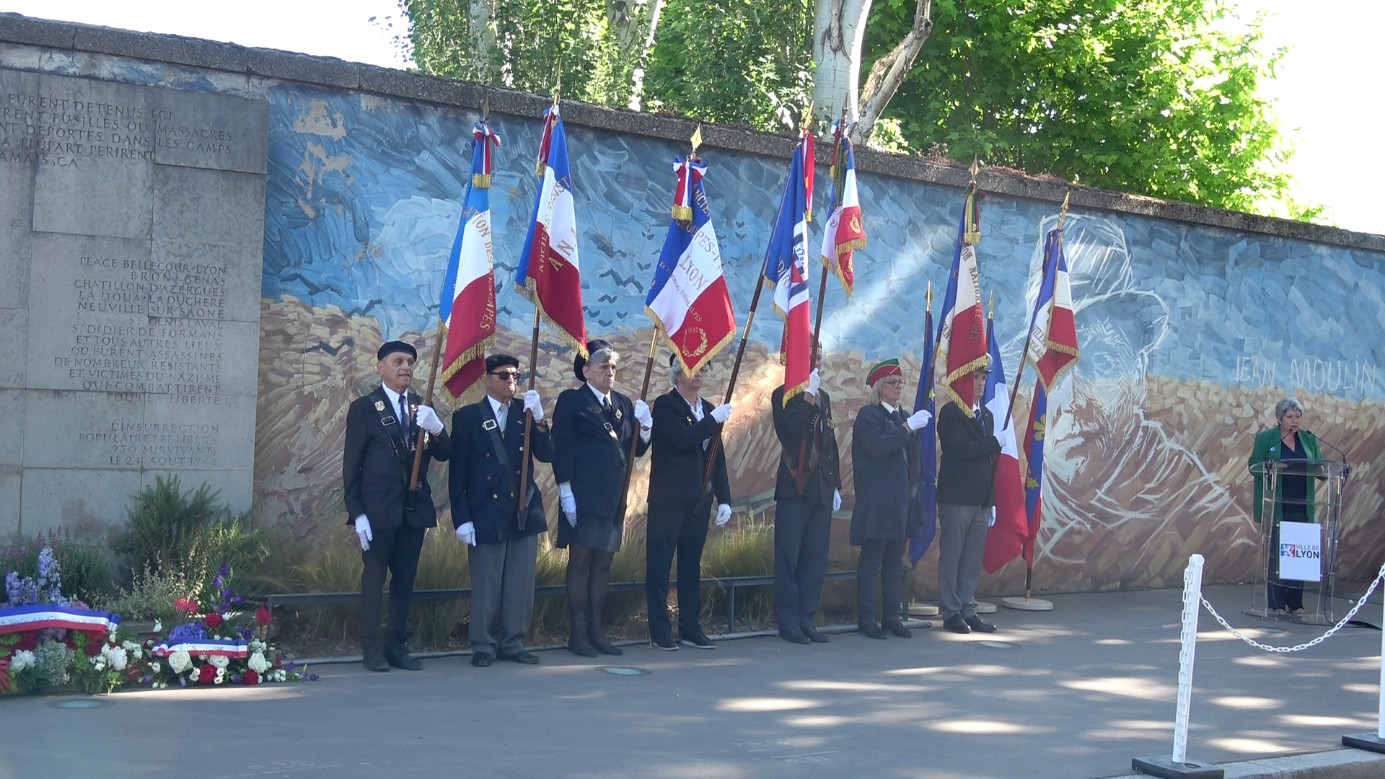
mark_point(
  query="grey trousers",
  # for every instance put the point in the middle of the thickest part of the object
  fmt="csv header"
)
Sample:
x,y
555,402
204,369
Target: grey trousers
x,y
961,545
502,595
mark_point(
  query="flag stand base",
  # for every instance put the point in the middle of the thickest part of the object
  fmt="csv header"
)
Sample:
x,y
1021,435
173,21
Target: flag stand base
x,y
1027,604
982,607
923,610
1165,767
1367,741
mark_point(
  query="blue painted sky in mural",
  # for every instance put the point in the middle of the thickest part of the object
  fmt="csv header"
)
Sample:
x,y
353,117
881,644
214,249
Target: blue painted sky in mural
x,y
364,197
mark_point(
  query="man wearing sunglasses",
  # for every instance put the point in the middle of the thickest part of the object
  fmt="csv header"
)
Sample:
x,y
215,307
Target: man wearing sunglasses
x,y
489,445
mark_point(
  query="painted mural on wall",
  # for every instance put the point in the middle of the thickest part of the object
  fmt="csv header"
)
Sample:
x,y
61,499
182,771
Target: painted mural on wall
x,y
1189,334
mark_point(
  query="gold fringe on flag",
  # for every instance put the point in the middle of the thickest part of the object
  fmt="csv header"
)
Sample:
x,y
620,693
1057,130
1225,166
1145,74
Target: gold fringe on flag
x,y
481,180
683,213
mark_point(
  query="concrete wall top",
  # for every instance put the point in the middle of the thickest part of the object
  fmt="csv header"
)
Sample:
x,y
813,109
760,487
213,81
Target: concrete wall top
x,y
333,72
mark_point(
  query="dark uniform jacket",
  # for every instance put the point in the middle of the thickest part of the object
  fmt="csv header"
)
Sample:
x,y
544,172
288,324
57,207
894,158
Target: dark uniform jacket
x,y
810,465
587,455
482,491
377,461
966,470
882,458
679,460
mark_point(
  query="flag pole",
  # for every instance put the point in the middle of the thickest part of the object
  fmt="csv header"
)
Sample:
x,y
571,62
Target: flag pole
x,y
520,514
1033,318
822,287
427,401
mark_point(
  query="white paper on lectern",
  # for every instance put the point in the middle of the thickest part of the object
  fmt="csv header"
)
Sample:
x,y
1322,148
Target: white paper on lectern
x,y
1300,551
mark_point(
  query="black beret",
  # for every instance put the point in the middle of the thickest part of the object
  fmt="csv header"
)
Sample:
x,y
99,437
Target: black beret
x,y
579,362
390,347
496,360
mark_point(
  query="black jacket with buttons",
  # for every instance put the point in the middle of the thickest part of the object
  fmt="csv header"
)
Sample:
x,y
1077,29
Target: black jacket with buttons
x,y
482,492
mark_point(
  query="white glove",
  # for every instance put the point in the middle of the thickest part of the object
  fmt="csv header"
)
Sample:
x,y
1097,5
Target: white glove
x,y
363,532
642,414
568,503
533,405
991,522
722,413
467,533
1006,438
723,514
814,382
427,419
918,420
836,500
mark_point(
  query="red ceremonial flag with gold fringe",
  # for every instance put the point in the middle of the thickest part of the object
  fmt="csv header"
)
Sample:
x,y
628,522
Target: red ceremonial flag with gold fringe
x,y
843,232
962,345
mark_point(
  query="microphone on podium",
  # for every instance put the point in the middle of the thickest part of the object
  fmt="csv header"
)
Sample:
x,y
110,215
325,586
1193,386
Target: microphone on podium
x,y
1346,467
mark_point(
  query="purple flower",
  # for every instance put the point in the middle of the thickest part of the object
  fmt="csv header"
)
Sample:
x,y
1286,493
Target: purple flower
x,y
288,666
146,679
237,600
312,677
188,631
182,681
235,678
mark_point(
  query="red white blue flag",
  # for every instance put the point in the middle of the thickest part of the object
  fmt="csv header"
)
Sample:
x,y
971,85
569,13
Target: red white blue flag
x,y
1007,534
1053,350
786,269
688,298
467,307
548,271
962,347
843,233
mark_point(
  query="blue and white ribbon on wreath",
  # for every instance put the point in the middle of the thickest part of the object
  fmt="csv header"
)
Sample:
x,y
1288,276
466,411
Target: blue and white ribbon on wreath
x,y
39,616
205,646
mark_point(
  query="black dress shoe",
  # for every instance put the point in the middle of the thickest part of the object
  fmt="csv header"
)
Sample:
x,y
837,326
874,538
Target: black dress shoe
x,y
696,640
896,627
870,629
956,624
602,646
399,657
815,636
375,660
581,650
974,622
481,660
794,637
523,657
665,643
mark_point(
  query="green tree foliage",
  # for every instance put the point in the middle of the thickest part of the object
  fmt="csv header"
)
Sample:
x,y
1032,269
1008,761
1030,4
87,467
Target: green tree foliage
x,y
1152,97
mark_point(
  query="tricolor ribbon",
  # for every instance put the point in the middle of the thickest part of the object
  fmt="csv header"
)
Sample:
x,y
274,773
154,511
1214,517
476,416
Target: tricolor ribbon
x,y
22,619
485,138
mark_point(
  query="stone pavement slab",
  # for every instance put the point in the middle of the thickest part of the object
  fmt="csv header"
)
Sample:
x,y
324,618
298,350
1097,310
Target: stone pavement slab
x,y
1079,692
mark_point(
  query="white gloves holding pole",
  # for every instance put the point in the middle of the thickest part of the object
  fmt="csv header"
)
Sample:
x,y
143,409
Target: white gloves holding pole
x,y
918,420
722,413
533,405
427,419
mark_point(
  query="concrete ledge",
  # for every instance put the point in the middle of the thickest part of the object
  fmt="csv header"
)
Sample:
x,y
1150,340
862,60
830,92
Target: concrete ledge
x,y
1333,764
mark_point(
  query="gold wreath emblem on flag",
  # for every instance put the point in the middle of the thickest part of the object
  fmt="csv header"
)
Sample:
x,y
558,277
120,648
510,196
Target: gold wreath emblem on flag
x,y
702,338
856,223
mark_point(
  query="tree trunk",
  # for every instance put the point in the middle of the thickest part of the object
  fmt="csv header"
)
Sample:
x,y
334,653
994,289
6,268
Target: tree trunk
x,y
632,25
481,29
889,71
840,27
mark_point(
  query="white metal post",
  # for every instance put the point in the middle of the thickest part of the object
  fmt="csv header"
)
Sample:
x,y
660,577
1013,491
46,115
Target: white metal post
x,y
1192,602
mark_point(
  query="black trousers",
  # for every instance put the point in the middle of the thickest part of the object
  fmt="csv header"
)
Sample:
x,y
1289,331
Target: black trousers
x,y
675,527
396,552
881,565
802,530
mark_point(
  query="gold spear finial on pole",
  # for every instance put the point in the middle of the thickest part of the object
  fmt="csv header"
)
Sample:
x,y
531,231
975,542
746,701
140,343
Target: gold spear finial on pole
x,y
991,314
928,298
1063,212
974,169
696,138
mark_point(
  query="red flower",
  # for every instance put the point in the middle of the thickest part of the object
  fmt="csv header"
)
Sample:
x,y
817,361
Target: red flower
x,y
207,674
27,640
251,677
186,604
212,620
262,616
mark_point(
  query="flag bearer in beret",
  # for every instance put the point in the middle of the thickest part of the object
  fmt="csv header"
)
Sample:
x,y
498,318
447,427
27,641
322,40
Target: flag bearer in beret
x,y
808,489
884,473
382,430
966,495
686,429
488,451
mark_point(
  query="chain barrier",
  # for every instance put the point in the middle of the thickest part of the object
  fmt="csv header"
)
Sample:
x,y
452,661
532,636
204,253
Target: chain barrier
x,y
1357,606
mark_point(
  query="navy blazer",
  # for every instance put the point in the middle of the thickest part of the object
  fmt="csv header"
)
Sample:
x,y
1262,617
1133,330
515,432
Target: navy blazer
x,y
797,425
376,464
482,492
882,454
678,461
966,471
587,456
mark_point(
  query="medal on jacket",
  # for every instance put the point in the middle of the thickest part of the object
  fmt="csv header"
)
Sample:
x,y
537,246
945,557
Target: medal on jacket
x,y
379,405
619,415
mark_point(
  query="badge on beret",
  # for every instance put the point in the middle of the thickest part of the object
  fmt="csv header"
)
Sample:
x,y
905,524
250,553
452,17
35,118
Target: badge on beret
x,y
379,405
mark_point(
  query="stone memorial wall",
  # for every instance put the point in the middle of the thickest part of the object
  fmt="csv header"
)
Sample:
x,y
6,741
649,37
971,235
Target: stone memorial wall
x,y
130,268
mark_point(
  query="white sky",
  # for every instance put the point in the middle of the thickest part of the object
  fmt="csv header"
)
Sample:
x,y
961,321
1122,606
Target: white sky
x,y
1325,88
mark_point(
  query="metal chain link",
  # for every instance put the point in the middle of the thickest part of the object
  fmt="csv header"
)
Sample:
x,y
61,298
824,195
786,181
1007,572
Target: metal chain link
x,y
1286,649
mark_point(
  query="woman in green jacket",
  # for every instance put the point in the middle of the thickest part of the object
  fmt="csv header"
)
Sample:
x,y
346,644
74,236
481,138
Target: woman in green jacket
x,y
1293,499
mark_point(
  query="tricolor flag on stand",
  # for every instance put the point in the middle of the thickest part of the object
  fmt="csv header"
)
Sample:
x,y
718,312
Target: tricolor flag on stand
x,y
786,268
688,299
1007,534
1053,350
467,307
843,233
962,348
926,502
548,271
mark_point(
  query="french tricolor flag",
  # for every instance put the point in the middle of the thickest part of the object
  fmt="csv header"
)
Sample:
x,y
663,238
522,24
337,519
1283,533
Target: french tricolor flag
x,y
844,232
786,269
688,298
1008,533
467,307
548,272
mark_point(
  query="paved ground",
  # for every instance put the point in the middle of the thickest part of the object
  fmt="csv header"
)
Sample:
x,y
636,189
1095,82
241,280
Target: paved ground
x,y
1084,688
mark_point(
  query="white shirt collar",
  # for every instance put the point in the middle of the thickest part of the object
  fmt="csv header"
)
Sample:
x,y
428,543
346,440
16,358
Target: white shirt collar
x,y
600,396
888,408
393,396
496,406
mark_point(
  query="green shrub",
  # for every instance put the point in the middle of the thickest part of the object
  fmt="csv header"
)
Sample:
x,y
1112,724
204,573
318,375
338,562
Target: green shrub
x,y
161,522
744,550
152,594
86,569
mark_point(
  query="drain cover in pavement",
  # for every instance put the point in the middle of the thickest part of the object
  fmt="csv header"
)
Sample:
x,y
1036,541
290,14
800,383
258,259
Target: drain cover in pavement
x,y
623,670
80,703
998,644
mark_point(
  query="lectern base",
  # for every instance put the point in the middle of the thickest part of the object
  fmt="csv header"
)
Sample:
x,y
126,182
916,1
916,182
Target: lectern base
x,y
1165,767
1367,741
